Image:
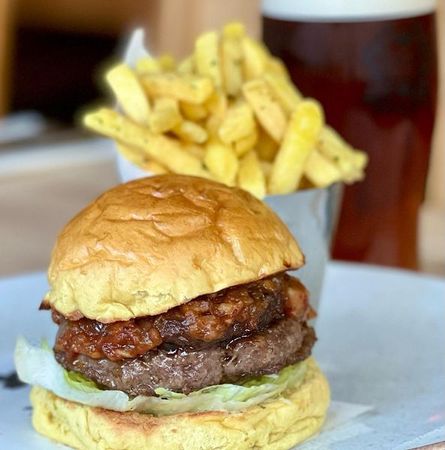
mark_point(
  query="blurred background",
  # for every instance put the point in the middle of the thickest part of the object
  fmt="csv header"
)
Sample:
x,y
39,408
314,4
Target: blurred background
x,y
52,55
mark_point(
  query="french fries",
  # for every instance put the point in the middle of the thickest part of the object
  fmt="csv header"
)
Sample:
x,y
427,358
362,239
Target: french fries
x,y
167,62
251,176
349,162
320,171
266,147
129,93
267,110
147,65
190,132
301,136
154,167
255,58
193,112
133,154
165,115
237,124
186,66
198,151
243,145
186,88
229,112
164,150
277,67
283,91
222,162
266,167
233,30
231,59
217,107
206,58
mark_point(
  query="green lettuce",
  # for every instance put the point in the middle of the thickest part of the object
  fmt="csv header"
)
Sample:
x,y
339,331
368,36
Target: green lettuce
x,y
37,366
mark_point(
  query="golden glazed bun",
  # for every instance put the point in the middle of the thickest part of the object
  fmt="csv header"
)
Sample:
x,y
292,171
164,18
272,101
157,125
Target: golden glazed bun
x,y
146,246
276,424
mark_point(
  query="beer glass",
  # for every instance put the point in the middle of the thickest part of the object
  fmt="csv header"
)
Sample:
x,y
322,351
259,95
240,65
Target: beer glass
x,y
372,64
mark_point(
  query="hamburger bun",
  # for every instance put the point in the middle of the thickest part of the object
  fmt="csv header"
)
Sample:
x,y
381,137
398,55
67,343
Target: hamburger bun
x,y
149,245
276,424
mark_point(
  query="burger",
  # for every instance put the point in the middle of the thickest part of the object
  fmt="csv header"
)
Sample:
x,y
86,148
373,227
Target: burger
x,y
178,325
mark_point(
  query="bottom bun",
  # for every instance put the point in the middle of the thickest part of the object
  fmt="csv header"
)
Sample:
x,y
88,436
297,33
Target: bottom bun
x,y
275,424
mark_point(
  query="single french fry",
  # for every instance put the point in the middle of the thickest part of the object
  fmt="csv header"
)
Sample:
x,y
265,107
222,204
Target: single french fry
x,y
266,167
267,110
234,30
361,161
186,88
217,104
167,62
154,167
333,147
186,66
320,171
134,154
198,151
206,57
165,115
147,65
190,132
243,145
222,162
276,66
283,91
193,111
231,61
266,147
164,150
350,162
299,141
255,57
217,107
129,93
250,175
237,123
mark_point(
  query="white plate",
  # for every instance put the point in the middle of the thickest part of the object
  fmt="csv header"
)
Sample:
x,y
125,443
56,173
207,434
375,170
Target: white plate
x,y
381,343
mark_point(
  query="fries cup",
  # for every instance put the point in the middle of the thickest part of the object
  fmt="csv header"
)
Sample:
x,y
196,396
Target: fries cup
x,y
310,214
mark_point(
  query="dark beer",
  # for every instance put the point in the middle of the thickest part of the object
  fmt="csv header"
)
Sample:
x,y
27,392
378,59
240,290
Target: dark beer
x,y
376,78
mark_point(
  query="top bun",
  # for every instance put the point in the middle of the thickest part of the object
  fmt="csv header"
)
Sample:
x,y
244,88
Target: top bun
x,y
149,245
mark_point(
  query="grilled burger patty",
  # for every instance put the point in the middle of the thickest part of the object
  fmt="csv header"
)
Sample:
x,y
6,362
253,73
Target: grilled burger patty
x,y
252,329
185,370
202,322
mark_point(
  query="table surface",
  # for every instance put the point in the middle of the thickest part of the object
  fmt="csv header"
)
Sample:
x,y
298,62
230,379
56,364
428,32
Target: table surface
x,y
380,342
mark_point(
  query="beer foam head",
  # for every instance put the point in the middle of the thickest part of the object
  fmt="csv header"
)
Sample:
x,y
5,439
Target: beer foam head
x,y
346,10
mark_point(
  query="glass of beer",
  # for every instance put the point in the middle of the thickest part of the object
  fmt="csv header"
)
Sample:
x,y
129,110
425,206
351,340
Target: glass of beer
x,y
373,66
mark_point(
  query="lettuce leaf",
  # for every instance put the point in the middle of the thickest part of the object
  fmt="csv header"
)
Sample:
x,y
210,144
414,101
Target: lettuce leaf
x,y
37,366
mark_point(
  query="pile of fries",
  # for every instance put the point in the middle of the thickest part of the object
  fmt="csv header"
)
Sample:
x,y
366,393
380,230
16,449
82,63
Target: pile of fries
x,y
228,112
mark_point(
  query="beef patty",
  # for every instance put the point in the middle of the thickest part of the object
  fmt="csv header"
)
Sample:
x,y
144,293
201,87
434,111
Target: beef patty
x,y
202,322
185,370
